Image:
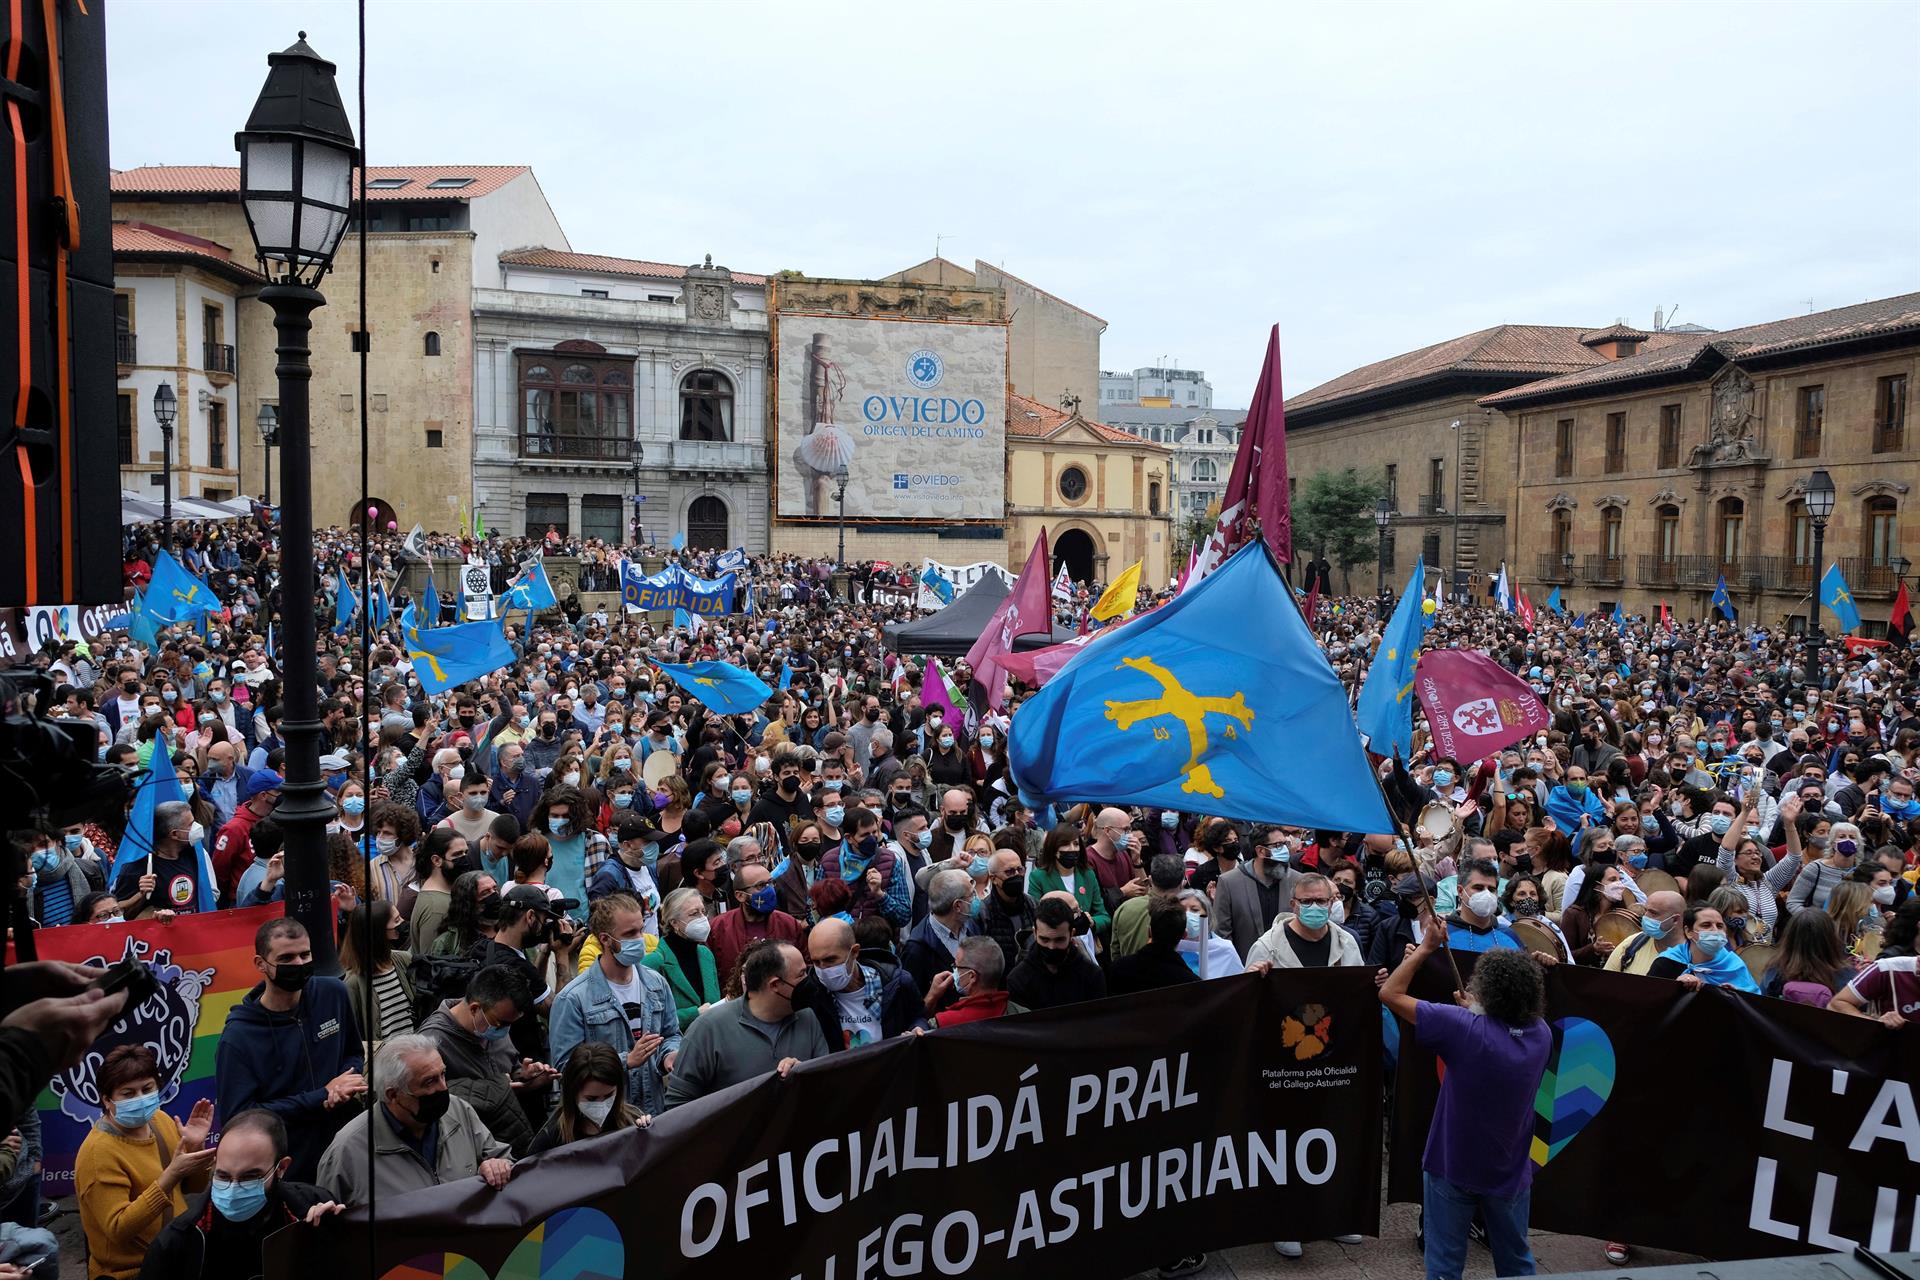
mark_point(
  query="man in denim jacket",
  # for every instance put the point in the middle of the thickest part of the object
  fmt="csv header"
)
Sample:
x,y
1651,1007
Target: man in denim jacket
x,y
622,1003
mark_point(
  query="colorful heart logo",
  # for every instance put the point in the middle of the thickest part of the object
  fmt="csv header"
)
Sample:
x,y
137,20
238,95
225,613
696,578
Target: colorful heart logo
x,y
1577,1083
573,1244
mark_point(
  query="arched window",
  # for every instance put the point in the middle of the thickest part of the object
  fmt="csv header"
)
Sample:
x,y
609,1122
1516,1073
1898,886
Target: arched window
x,y
432,344
583,411
707,524
1205,471
1730,542
706,406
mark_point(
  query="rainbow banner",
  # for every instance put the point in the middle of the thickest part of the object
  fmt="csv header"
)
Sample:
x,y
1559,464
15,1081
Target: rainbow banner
x,y
204,965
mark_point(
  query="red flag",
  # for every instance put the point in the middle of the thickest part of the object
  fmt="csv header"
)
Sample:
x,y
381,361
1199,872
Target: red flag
x,y
1027,609
1313,602
1900,621
1526,611
1474,705
1257,485
1666,616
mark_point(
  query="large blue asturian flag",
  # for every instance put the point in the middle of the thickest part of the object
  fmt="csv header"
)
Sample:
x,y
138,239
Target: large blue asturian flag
x,y
1838,596
1189,708
1722,601
529,590
1385,711
161,785
174,595
447,656
722,686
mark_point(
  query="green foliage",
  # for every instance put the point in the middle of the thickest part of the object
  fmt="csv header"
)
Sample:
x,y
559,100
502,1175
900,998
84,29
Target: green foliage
x,y
1334,516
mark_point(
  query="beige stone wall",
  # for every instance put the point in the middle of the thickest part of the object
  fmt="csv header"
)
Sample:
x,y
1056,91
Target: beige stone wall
x,y
1766,488
1052,348
1408,438
1115,511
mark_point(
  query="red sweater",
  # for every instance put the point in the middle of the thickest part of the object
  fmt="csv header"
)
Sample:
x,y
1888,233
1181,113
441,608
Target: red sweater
x,y
732,931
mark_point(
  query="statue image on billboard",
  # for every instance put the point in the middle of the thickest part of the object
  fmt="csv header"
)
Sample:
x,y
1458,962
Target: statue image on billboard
x,y
825,448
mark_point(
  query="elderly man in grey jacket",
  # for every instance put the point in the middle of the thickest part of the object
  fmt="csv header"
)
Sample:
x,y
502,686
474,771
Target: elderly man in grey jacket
x,y
423,1135
751,1034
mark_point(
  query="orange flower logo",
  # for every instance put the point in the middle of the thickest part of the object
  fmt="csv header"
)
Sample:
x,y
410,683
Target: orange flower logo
x,y
1307,1031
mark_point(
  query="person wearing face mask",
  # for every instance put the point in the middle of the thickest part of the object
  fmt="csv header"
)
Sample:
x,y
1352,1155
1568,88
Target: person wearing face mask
x,y
592,1101
754,913
1603,890
232,850
971,988
948,764
1304,937
759,1031
1249,898
423,1135
683,957
787,800
933,942
131,1169
1704,957
473,1032
1819,877
912,847
578,850
1006,914
439,795
1525,899
1055,970
425,904
631,869
469,814
856,1004
1061,866
795,874
292,1046
168,882
59,881
1573,806
621,1003
1477,925
870,871
222,1237
1661,929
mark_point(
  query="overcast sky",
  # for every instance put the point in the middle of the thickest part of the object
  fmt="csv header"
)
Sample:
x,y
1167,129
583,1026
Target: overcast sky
x,y
1372,177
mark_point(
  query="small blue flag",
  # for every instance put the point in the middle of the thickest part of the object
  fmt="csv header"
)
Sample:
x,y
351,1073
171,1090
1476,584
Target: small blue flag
x,y
430,599
1837,596
1619,618
678,541
1183,709
381,609
1385,710
1553,601
529,590
1722,601
174,595
456,654
722,686
730,561
938,583
160,786
344,602
786,676
141,624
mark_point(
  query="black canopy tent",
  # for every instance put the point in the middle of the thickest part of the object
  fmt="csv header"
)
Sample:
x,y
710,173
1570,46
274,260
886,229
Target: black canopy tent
x,y
952,631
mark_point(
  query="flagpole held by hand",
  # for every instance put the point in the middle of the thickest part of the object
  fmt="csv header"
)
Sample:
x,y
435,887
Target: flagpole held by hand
x,y
1420,879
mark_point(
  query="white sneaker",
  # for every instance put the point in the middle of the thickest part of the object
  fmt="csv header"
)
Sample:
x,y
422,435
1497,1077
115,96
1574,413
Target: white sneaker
x,y
1287,1248
1347,1239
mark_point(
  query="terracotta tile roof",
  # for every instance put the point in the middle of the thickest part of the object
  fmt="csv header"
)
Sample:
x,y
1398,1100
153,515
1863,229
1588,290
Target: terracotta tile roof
x,y
134,241
1032,420
604,265
212,179
1536,349
1615,333
1679,351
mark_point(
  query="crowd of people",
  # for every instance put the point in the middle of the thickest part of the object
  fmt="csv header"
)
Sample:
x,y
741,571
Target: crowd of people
x,y
572,898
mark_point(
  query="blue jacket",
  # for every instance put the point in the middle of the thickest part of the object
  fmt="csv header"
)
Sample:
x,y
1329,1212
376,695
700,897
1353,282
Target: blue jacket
x,y
586,1010
282,1062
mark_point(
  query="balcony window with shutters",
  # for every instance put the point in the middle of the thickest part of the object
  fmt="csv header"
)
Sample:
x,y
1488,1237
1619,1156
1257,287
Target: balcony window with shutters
x,y
1616,443
1610,522
575,408
1430,550
126,349
1667,519
1669,435
1732,534
1890,413
1563,447
1808,421
1562,533
1880,524
706,406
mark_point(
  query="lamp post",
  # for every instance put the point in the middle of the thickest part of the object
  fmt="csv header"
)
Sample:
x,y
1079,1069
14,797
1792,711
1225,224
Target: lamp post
x,y
1382,517
269,423
1820,497
633,467
840,476
1458,489
165,406
297,157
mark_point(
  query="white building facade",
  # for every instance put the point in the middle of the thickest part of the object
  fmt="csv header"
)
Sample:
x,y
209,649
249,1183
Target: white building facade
x,y
1203,444
1157,386
601,380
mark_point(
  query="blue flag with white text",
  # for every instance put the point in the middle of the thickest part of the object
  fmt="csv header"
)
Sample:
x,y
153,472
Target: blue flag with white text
x,y
1385,710
1187,708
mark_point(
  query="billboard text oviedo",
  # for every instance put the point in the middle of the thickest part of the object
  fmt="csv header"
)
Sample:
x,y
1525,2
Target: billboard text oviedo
x,y
915,411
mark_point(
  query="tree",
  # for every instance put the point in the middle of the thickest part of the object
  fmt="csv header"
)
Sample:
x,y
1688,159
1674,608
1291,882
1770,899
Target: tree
x,y
1193,530
1333,516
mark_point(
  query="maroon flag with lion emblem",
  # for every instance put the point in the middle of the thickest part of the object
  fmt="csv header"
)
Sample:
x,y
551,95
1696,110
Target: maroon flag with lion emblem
x,y
1028,608
1474,705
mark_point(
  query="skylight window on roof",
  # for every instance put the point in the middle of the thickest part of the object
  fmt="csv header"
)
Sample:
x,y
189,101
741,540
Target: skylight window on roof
x,y
387,184
442,184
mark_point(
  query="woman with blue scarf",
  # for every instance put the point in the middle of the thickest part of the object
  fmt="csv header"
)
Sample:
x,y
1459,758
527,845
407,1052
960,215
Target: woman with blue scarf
x,y
1569,803
1705,958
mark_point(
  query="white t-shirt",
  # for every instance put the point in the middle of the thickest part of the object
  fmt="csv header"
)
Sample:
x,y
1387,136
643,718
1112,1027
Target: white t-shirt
x,y
856,1024
632,995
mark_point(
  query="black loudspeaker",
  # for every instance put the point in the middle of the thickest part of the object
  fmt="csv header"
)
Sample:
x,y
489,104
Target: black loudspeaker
x,y
59,450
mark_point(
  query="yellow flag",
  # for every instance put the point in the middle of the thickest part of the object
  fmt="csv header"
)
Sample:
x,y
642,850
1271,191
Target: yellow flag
x,y
1119,597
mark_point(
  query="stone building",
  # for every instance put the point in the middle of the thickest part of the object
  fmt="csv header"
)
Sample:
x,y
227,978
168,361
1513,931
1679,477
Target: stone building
x,y
1053,347
435,232
598,380
176,300
1202,445
1648,477
1100,493
1416,425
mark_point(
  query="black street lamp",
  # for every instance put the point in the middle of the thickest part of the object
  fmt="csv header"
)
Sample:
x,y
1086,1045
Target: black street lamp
x,y
840,477
1820,497
269,423
297,158
1382,517
165,406
633,465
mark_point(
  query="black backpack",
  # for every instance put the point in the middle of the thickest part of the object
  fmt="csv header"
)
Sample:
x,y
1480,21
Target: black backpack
x,y
437,979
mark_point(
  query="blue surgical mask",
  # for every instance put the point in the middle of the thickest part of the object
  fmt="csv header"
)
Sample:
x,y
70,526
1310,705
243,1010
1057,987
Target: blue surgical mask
x,y
924,839
1718,823
959,984
355,805
1638,861
1650,824
494,1035
1194,926
978,867
131,1113
71,839
1443,777
558,826
623,799
1652,926
1711,943
1169,819
239,1201
45,860
632,951
1315,915
740,795
764,899
649,854
834,813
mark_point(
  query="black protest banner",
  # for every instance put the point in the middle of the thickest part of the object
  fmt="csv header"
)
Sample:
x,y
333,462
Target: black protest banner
x,y
1710,1122
1106,1137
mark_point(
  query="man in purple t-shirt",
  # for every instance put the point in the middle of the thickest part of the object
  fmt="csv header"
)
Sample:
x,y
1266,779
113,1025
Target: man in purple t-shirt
x,y
1478,1149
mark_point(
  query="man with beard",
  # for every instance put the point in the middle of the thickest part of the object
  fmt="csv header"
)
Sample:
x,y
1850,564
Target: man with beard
x,y
1055,969
1006,914
787,800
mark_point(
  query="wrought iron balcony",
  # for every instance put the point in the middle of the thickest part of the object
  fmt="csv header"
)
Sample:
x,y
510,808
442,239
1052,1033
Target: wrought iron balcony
x,y
562,447
1605,569
1551,568
219,358
1658,571
126,347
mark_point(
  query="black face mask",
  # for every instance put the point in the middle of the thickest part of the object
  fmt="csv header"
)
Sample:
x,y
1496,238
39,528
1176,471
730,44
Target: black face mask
x,y
548,730
1230,852
1011,889
809,850
873,713
955,822
789,785
900,799
1052,957
723,880
292,977
1068,859
428,1108
401,934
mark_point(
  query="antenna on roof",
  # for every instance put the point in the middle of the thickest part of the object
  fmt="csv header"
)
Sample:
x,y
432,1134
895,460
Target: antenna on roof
x,y
1809,302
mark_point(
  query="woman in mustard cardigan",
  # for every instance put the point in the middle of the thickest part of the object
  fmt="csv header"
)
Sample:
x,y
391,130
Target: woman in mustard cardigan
x,y
1062,864
134,1168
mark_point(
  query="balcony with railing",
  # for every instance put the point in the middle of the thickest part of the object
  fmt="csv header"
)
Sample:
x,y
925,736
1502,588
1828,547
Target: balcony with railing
x,y
1788,575
1869,579
714,455
1549,567
555,446
1433,504
220,359
1604,569
1701,571
1659,571
126,347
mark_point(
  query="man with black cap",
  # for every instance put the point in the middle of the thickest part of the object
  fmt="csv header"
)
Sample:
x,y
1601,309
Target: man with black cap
x,y
529,916
636,853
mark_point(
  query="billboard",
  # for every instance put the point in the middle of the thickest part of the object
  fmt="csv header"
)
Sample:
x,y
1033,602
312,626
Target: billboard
x,y
914,409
